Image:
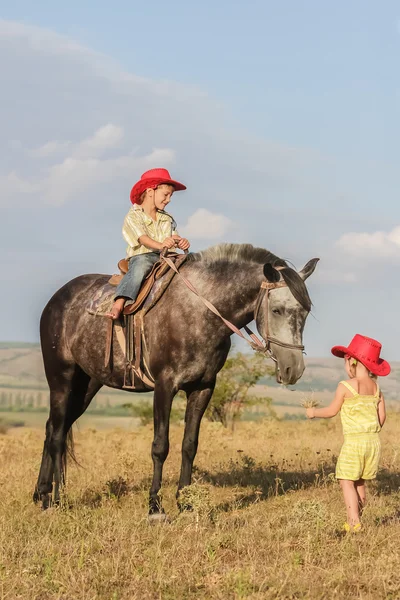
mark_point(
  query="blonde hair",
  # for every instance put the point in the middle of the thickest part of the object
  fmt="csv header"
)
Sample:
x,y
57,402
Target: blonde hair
x,y
353,368
142,197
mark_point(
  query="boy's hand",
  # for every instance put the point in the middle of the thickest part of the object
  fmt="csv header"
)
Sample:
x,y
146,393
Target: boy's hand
x,y
310,412
183,244
169,242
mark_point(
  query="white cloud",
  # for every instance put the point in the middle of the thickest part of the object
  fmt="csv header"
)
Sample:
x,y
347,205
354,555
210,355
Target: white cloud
x,y
48,149
105,138
95,123
76,175
42,42
108,136
12,185
205,225
74,91
82,169
379,244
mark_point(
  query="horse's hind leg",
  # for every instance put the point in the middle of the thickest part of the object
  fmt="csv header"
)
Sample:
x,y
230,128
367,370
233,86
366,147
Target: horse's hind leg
x,y
68,401
83,391
44,484
82,398
54,445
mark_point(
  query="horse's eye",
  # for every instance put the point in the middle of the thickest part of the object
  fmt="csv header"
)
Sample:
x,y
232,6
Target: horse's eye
x,y
276,311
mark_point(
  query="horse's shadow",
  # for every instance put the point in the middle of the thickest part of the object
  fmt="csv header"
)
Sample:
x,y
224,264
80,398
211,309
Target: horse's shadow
x,y
387,482
263,481
267,481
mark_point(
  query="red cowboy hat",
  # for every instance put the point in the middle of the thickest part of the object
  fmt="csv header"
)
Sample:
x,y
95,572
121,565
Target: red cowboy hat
x,y
367,351
152,179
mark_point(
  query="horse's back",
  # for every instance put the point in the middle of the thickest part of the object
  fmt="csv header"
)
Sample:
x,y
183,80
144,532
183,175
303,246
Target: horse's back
x,y
65,308
77,287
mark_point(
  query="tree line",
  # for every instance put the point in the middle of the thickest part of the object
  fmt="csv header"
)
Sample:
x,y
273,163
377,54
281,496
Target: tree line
x,y
15,400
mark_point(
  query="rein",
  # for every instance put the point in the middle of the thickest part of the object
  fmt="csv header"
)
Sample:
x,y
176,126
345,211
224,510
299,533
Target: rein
x,y
256,344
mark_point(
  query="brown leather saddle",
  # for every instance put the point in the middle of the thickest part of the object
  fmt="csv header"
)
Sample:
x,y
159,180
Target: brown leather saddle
x,y
159,269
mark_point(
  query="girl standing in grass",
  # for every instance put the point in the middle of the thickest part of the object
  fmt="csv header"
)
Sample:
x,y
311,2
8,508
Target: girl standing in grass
x,y
362,410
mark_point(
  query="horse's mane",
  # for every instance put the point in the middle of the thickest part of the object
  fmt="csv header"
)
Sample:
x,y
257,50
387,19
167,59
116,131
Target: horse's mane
x,y
246,253
236,253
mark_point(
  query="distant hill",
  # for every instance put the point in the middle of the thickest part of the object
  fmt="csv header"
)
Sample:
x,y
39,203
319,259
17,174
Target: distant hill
x,y
7,345
323,374
21,366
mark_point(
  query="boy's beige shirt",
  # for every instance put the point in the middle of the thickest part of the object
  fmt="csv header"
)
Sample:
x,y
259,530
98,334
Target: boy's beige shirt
x,y
138,223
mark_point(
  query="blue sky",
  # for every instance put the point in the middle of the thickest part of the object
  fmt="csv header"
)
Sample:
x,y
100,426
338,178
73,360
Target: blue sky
x,y
282,119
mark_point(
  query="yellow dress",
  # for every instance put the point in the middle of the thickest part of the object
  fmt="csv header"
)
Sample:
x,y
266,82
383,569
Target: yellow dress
x,y
359,456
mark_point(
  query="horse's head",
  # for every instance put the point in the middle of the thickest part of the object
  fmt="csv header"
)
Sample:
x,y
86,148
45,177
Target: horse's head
x,y
281,315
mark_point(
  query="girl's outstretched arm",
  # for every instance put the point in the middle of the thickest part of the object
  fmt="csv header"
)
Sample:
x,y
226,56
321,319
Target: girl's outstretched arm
x,y
381,410
332,409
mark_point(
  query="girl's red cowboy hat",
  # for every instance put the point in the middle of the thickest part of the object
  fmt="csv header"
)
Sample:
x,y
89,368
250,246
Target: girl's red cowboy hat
x,y
367,351
152,179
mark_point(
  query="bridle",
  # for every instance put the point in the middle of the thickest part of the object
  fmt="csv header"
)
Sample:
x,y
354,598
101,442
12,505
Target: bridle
x,y
265,290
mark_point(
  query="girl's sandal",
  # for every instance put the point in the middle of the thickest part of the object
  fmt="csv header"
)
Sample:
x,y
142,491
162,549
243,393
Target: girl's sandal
x,y
354,529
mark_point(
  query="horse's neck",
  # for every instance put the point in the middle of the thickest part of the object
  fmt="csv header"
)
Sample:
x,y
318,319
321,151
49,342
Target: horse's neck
x,y
233,290
247,284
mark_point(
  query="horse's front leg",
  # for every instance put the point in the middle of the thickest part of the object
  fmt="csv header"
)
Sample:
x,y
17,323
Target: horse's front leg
x,y
163,396
197,403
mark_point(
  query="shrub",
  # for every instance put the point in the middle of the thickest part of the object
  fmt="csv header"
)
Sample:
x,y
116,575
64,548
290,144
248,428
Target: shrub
x,y
234,383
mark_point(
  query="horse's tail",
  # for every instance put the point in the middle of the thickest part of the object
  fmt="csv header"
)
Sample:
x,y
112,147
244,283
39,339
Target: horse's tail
x,y
69,451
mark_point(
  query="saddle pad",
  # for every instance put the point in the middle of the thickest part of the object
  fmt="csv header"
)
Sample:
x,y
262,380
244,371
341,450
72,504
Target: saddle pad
x,y
102,301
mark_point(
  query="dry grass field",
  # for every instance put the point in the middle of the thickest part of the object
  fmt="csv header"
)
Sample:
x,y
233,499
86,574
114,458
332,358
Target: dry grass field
x,y
266,525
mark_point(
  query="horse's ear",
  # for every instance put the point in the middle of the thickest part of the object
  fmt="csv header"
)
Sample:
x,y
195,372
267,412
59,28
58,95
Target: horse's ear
x,y
271,274
308,269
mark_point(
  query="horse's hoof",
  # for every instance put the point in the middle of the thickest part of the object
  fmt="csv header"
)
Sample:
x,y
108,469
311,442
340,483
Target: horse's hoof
x,y
48,513
158,518
46,501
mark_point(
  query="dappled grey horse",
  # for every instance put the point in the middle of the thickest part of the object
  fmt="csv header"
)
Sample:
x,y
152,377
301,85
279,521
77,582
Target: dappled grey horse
x,y
187,344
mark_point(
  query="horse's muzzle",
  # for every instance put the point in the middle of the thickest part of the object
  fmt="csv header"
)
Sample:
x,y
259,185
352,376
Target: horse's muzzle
x,y
288,372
